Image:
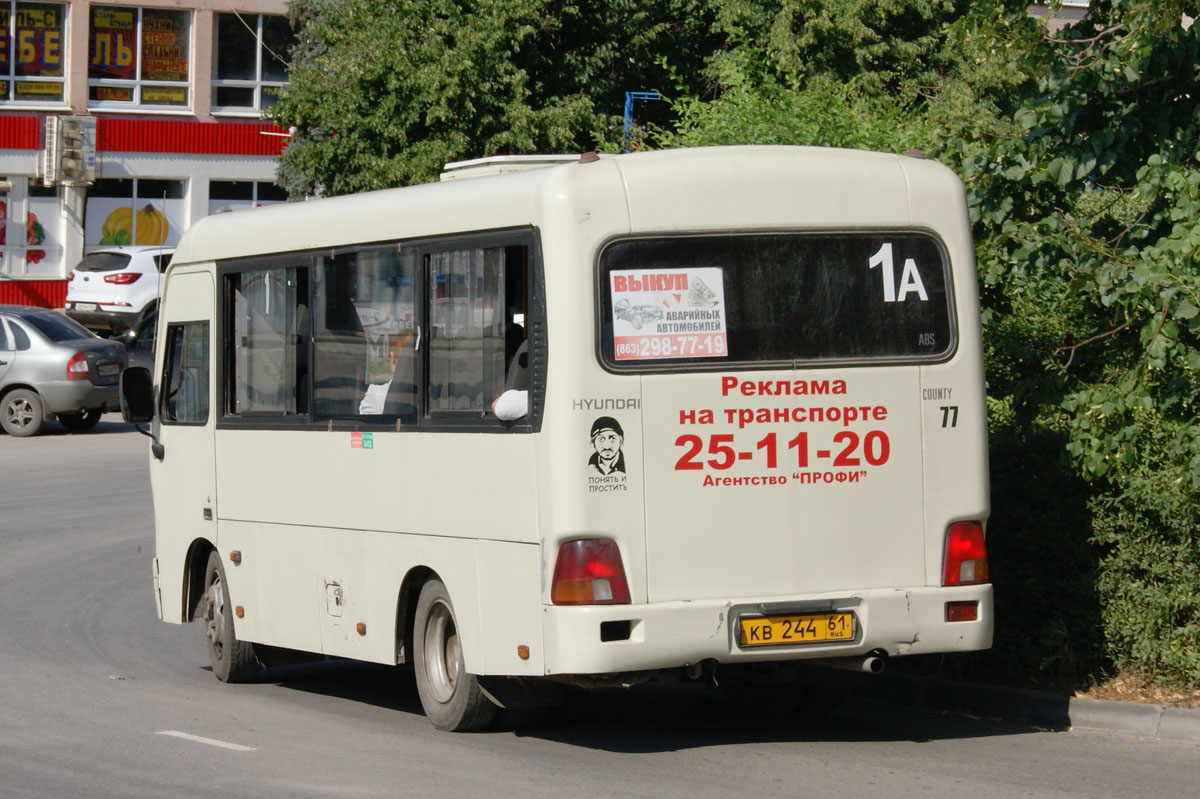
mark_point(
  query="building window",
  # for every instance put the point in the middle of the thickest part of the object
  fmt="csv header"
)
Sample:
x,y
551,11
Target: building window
x,y
134,211
138,56
234,195
32,52
30,230
249,60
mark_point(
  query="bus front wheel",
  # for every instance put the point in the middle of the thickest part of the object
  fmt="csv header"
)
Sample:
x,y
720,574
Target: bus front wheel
x,y
232,660
450,696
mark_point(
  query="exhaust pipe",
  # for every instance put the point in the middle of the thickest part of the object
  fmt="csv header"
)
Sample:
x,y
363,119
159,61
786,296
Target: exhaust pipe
x,y
870,664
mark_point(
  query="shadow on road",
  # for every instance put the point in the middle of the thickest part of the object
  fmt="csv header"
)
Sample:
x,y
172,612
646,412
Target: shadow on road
x,y
658,717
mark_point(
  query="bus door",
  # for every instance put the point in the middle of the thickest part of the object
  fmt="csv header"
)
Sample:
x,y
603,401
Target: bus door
x,y
185,505
781,404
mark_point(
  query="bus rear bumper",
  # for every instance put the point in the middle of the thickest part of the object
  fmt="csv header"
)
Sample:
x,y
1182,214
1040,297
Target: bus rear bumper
x,y
626,638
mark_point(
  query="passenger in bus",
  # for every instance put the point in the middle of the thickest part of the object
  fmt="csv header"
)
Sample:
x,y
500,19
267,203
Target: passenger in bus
x,y
373,402
607,438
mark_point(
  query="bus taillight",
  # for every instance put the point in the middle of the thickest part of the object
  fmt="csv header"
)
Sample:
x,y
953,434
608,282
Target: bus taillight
x,y
965,560
589,572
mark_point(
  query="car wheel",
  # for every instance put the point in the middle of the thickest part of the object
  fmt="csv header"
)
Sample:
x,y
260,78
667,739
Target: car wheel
x,y
232,660
21,413
451,697
81,422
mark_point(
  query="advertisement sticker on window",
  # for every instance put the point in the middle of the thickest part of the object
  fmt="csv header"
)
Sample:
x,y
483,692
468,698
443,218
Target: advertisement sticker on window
x,y
672,313
112,45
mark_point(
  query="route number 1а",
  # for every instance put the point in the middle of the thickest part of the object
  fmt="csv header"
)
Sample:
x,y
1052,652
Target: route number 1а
x,y
910,278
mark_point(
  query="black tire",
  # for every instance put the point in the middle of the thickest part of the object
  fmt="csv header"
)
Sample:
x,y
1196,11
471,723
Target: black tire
x,y
81,422
232,660
451,697
21,413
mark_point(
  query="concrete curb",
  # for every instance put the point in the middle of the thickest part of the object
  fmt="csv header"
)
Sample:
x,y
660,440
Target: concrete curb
x,y
1039,708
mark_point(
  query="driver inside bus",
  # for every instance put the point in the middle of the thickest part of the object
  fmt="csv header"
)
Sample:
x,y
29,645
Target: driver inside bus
x,y
513,403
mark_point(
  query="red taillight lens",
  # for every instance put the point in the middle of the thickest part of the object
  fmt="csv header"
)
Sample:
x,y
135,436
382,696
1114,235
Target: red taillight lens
x,y
962,611
965,561
77,367
589,572
71,276
122,278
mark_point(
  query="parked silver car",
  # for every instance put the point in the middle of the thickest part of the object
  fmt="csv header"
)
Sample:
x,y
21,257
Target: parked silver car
x,y
50,366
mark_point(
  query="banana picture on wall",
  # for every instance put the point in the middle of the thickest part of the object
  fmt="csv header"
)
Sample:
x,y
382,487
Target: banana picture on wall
x,y
150,226
123,226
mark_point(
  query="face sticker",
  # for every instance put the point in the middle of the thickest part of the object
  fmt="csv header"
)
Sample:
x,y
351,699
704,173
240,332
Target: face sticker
x,y
607,438
606,462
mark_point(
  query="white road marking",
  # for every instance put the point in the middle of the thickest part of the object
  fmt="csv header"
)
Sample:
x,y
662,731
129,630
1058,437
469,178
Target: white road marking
x,y
209,741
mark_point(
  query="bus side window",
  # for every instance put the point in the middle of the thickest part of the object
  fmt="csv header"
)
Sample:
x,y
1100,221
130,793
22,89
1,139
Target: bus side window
x,y
185,374
363,334
468,347
270,341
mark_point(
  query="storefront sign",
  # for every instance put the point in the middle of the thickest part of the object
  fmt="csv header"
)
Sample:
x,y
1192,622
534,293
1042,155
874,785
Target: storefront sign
x,y
112,43
119,93
37,41
164,46
161,95
39,88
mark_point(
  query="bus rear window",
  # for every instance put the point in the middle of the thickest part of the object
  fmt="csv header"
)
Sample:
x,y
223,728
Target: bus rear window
x,y
703,302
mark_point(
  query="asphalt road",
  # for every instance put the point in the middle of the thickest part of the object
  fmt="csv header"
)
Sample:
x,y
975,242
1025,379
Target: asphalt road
x,y
100,699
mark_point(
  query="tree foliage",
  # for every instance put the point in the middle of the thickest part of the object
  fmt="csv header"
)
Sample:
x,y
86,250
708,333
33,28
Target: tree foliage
x,y
384,93
1087,228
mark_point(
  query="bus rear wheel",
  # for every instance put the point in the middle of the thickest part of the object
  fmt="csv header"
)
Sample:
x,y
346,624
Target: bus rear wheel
x,y
451,697
232,660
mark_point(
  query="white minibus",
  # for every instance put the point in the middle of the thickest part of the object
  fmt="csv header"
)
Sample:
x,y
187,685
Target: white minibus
x,y
587,420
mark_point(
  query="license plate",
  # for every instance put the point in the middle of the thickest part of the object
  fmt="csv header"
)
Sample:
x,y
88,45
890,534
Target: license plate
x,y
108,369
85,306
811,628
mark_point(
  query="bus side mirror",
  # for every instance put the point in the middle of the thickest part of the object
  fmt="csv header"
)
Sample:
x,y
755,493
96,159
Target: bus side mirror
x,y
137,395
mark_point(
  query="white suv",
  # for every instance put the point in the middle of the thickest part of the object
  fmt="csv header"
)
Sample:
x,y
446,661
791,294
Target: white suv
x,y
111,287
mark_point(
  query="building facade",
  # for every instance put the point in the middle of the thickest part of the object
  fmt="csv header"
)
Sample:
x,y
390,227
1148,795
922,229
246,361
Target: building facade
x,y
124,123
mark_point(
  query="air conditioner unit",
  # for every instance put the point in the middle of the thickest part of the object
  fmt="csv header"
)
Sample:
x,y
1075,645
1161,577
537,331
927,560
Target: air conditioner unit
x,y
70,155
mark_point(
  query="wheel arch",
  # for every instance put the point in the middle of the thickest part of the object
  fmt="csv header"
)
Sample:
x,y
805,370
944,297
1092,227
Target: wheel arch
x,y
406,609
11,387
194,566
